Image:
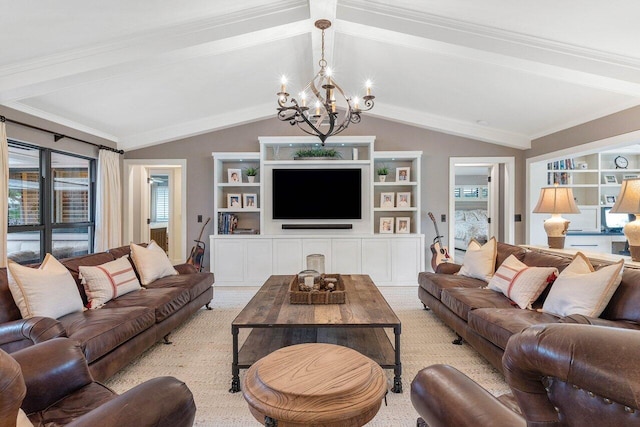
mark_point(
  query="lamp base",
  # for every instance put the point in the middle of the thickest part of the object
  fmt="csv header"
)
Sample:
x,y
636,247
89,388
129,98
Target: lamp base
x,y
635,253
558,242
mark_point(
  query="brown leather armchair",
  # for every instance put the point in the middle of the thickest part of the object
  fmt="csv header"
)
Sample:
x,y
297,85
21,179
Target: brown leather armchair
x,y
61,391
559,374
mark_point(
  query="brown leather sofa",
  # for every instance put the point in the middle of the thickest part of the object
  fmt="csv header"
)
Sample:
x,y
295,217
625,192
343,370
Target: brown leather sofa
x,y
487,319
115,334
559,374
52,383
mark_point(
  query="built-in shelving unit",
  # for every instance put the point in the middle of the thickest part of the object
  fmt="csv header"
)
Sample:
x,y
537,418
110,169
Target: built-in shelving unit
x,y
393,256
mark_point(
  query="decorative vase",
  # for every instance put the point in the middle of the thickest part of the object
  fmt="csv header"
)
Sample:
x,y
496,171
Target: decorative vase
x,y
382,178
251,178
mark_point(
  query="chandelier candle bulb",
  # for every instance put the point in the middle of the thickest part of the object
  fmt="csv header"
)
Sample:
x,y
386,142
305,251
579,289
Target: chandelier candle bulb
x,y
283,86
368,85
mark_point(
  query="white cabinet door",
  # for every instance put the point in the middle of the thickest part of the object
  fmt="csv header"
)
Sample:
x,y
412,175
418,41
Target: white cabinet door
x,y
346,256
287,256
228,260
258,261
317,246
406,263
376,259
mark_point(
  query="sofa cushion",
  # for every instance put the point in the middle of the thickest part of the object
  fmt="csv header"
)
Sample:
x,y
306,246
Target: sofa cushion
x,y
101,331
47,291
107,281
520,283
498,324
164,301
195,283
73,265
479,260
463,300
543,259
625,302
581,290
151,262
505,250
434,283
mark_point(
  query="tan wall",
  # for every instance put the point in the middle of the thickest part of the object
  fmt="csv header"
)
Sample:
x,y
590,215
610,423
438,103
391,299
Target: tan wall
x,y
437,148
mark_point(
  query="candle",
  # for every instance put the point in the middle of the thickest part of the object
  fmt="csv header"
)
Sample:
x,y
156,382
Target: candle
x,y
368,84
303,97
317,108
333,105
356,102
283,87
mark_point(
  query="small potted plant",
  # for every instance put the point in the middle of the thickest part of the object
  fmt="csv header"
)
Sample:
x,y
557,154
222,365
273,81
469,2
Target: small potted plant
x,y
251,173
317,154
382,172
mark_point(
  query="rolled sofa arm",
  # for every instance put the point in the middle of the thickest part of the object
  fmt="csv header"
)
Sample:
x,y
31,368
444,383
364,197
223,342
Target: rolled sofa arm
x,y
448,268
568,371
597,321
51,370
159,402
445,397
22,333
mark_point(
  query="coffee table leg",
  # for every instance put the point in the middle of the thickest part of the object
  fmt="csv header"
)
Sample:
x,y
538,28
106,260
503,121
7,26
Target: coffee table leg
x,y
235,371
397,379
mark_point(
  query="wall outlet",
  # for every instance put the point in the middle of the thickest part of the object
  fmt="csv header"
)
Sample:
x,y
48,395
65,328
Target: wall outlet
x,y
443,218
518,218
199,218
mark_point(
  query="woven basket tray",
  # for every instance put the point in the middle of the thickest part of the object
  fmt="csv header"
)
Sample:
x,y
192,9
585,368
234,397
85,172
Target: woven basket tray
x,y
338,296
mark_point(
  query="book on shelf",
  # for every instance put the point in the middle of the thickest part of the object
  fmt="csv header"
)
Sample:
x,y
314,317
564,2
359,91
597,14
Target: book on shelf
x,y
227,222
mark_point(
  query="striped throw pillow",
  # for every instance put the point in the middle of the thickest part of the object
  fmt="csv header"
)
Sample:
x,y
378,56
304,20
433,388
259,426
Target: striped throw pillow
x,y
520,283
108,281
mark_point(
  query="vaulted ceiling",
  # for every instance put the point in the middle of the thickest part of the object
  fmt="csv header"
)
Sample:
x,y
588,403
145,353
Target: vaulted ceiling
x,y
150,71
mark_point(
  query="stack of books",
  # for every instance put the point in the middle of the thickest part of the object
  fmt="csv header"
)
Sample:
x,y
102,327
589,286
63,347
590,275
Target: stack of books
x,y
227,223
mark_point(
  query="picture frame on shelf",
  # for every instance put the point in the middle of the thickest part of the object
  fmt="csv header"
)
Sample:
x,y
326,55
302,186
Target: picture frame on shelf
x,y
609,199
403,225
234,175
609,179
403,199
249,200
234,200
387,200
386,225
403,174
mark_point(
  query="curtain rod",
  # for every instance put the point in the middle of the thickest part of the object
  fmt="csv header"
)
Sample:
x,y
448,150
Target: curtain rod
x,y
58,136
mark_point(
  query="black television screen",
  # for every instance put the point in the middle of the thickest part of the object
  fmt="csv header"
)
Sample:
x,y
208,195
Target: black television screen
x,y
614,221
317,194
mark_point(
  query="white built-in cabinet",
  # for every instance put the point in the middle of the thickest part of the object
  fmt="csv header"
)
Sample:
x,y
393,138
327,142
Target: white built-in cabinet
x,y
249,259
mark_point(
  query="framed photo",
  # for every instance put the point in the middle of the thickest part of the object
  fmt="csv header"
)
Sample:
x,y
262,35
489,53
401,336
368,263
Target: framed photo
x,y
403,174
386,225
403,200
234,175
609,199
610,179
234,201
249,200
387,200
403,225
630,176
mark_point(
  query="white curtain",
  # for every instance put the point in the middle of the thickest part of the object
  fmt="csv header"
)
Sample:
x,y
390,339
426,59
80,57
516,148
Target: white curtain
x,y
108,202
4,193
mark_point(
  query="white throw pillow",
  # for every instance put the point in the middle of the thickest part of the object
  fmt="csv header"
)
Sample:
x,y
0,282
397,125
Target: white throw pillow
x,y
520,283
581,290
480,260
48,291
151,262
108,281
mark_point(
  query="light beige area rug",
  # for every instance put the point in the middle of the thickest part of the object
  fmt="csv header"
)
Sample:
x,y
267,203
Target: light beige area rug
x,y
200,355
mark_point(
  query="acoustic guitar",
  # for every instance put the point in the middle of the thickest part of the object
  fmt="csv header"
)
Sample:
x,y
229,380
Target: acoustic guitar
x,y
440,254
197,252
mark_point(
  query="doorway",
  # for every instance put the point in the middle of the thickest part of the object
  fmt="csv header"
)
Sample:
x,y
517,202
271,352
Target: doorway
x,y
481,203
154,205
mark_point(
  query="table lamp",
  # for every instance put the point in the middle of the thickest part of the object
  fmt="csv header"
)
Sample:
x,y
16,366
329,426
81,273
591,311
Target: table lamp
x,y
556,201
628,201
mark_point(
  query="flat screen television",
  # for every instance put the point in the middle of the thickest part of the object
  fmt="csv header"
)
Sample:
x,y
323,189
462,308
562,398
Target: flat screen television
x,y
614,222
317,194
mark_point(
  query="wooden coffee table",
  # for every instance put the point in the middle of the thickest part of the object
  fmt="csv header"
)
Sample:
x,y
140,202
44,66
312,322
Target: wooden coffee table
x,y
358,324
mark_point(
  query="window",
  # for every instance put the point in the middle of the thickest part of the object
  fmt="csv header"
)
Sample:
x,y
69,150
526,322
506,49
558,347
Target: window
x,y
159,198
51,202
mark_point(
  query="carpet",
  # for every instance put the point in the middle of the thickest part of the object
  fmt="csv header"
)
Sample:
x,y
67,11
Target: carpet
x,y
200,355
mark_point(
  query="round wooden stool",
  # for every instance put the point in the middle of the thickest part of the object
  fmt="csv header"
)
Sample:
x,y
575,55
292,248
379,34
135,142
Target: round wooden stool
x,y
314,385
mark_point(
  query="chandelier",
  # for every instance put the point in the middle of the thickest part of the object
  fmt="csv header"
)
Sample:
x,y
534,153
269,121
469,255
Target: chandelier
x,y
320,93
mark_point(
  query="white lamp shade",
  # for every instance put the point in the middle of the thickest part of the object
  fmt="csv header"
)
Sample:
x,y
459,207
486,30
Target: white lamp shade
x,y
556,200
628,200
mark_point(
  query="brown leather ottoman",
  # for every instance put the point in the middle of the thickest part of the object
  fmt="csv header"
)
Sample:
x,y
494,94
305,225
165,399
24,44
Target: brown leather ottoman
x,y
314,385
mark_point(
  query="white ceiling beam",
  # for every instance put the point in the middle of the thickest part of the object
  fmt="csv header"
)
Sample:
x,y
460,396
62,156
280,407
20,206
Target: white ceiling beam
x,y
445,36
325,9
161,47
451,126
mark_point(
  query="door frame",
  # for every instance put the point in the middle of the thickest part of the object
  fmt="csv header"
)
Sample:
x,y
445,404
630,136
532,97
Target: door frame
x,y
136,198
507,221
